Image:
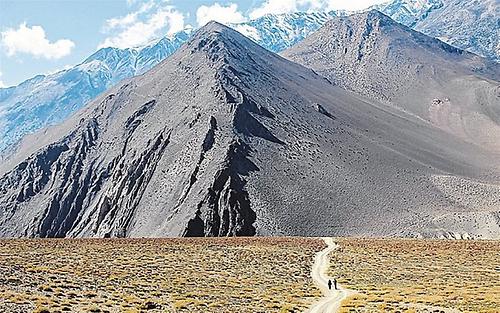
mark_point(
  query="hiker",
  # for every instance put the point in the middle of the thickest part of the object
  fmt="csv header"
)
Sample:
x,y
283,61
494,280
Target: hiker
x,y
335,283
330,284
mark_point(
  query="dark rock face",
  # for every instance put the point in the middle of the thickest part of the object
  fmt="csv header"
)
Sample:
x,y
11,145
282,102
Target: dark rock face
x,y
225,138
226,209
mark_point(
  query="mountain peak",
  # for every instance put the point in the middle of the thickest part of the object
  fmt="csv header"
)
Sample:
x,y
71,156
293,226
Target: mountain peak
x,y
374,14
225,138
214,30
221,43
371,17
214,25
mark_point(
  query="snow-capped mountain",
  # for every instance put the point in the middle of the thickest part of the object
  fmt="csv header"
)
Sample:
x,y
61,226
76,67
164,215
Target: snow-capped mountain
x,y
277,32
48,99
409,12
467,24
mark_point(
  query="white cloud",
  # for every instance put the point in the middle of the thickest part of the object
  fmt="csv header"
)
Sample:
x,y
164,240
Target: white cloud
x,y
350,4
123,21
222,14
32,40
150,21
275,7
289,6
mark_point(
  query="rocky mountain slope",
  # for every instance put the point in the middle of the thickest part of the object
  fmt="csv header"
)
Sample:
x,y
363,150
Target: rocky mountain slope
x,y
371,54
227,138
46,100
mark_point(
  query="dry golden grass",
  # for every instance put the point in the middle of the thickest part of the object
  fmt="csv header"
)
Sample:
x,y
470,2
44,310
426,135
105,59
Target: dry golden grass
x,y
419,275
158,275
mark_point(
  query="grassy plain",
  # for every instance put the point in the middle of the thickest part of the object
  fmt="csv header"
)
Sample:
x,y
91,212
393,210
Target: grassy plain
x,y
158,275
418,275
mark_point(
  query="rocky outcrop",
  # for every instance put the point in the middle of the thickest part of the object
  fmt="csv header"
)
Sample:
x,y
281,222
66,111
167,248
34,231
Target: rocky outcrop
x,y
128,183
323,111
67,200
69,176
226,208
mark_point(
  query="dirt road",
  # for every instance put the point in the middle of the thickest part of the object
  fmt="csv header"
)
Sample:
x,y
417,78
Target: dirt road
x,y
331,298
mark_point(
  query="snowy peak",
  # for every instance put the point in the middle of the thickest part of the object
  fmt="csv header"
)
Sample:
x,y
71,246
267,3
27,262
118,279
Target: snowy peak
x,y
46,100
409,12
277,32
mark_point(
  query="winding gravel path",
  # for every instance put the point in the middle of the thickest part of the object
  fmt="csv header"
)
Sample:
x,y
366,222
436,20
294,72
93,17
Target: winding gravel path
x,y
331,298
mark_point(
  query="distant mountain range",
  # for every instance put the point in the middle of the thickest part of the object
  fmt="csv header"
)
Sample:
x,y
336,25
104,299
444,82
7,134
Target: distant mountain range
x,y
49,99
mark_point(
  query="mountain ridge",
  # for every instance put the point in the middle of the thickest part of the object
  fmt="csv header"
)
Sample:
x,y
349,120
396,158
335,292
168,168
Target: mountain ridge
x,y
251,144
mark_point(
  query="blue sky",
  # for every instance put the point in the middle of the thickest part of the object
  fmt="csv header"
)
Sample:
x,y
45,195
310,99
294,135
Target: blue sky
x,y
41,37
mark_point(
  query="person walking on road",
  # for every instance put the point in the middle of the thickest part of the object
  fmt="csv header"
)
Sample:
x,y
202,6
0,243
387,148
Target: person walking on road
x,y
330,284
335,283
